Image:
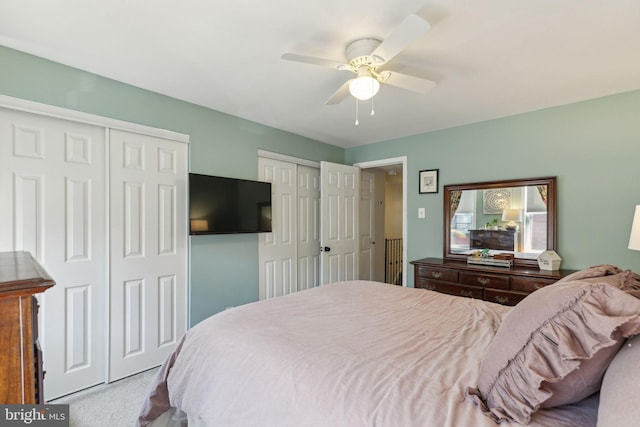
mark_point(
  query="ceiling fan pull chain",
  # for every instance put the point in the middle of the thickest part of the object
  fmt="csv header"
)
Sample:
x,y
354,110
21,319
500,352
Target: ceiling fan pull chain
x,y
357,122
374,91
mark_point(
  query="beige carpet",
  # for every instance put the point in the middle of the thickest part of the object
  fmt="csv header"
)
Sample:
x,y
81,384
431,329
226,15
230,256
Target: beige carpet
x,y
109,405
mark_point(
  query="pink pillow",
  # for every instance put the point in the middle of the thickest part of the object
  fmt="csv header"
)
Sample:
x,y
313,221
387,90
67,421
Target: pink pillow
x,y
553,348
626,280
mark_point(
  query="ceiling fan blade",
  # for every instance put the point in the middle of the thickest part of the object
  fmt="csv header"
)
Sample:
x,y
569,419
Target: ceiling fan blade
x,y
411,83
289,56
339,95
410,29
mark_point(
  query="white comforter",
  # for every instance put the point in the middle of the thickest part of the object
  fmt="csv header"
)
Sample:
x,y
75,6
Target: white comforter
x,y
348,354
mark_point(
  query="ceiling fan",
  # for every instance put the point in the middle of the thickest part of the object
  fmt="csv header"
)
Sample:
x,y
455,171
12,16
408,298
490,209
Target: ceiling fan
x,y
366,57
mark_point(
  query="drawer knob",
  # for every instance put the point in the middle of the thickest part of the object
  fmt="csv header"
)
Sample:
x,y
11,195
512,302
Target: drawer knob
x,y
538,286
484,280
436,274
430,287
465,293
502,300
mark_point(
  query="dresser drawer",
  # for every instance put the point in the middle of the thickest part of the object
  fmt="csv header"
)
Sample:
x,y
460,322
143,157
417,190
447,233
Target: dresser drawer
x,y
486,280
529,284
504,297
423,283
444,287
453,289
437,274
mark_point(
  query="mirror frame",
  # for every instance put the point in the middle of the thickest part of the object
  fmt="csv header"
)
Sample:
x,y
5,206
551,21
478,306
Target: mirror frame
x,y
552,195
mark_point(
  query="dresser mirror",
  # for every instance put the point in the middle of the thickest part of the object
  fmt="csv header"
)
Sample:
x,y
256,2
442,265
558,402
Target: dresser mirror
x,y
517,216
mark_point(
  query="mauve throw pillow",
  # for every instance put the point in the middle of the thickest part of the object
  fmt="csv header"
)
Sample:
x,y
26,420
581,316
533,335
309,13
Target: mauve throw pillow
x,y
553,348
625,280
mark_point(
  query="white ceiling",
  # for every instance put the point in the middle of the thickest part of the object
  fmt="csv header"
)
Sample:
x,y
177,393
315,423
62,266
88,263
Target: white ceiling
x,y
490,58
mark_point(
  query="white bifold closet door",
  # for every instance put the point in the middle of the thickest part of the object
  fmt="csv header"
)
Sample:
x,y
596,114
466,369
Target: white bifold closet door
x,y
53,205
110,229
289,256
148,250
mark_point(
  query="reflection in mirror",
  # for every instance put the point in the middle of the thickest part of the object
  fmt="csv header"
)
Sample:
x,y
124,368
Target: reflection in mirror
x,y
516,216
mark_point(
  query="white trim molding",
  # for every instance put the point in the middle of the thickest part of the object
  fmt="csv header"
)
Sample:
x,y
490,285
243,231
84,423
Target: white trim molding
x,y
92,119
290,159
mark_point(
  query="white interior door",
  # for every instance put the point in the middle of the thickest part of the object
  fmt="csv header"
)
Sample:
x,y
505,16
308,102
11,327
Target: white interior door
x,y
148,215
53,187
277,250
367,226
308,235
339,207
289,256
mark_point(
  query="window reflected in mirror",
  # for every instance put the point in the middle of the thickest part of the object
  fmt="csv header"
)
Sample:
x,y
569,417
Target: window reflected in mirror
x,y
519,219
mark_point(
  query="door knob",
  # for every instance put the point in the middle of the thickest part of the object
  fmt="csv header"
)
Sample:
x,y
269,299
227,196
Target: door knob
x,y
325,249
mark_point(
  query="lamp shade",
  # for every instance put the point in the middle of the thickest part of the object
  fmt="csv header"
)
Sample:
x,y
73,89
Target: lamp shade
x,y
512,215
634,238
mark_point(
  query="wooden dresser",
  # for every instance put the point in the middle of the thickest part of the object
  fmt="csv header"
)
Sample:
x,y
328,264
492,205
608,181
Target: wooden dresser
x,y
21,276
497,284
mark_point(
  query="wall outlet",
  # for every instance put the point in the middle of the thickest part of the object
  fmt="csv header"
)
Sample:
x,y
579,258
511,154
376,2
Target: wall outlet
x,y
421,213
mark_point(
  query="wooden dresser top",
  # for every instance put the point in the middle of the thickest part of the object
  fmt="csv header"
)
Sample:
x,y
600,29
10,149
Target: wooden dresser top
x,y
514,271
21,273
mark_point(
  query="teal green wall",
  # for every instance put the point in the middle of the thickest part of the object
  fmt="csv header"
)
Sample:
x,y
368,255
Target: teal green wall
x,y
224,269
593,147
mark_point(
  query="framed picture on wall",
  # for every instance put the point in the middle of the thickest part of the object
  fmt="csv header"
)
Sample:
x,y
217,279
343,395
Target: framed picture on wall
x,y
428,181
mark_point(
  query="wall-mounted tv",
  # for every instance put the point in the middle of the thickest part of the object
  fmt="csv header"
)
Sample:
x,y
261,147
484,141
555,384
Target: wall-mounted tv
x,y
219,205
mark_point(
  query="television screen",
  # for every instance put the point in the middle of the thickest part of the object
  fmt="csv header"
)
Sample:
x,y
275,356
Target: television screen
x,y
219,205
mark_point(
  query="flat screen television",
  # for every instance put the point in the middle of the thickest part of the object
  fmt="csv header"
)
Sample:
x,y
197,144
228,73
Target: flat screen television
x,y
219,205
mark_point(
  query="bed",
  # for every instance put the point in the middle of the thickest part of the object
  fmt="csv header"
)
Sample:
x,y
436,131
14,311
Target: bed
x,y
363,353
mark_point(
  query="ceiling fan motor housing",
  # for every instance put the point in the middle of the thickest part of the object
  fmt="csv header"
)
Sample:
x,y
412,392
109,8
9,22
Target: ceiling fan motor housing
x,y
359,52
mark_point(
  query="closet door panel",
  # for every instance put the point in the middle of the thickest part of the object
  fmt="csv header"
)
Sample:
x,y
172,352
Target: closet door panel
x,y
52,178
148,272
277,250
308,236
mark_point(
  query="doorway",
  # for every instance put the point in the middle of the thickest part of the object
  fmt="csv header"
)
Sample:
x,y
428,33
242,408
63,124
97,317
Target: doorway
x,y
383,218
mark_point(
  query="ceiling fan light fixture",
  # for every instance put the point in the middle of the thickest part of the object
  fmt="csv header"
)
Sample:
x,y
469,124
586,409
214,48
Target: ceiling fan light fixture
x,y
365,86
